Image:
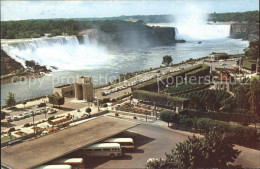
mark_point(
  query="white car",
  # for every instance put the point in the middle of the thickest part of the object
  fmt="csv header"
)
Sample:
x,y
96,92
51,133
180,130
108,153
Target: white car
x,y
51,111
38,112
20,116
15,118
26,114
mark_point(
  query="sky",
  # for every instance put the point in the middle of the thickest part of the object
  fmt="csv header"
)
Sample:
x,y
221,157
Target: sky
x,y
21,10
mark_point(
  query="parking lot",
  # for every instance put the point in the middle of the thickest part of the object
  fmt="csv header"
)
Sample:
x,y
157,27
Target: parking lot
x,y
152,141
68,106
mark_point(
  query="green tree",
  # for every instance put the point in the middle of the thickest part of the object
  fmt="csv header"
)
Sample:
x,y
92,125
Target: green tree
x,y
212,151
24,103
167,60
88,110
56,99
254,98
242,97
10,100
211,101
229,104
168,116
253,50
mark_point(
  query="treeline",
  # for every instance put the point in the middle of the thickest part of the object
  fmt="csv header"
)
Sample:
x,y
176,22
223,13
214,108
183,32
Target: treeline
x,y
249,16
37,28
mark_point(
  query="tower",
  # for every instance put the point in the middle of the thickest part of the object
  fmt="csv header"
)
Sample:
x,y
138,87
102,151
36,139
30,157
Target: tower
x,y
84,88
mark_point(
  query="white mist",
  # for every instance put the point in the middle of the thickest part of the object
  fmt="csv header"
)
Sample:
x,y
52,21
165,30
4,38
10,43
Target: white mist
x,y
191,22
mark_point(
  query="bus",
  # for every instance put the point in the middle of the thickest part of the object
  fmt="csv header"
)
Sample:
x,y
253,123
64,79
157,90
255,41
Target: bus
x,y
103,150
75,163
64,166
125,143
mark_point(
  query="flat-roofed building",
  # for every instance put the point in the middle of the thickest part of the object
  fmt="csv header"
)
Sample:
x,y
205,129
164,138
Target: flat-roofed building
x,y
218,56
37,152
65,90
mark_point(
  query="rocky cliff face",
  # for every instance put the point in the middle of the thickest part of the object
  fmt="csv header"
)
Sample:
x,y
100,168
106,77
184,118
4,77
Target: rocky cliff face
x,y
9,65
150,36
246,31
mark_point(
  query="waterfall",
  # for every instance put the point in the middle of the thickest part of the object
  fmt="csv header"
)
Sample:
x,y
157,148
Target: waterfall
x,y
64,52
203,32
86,39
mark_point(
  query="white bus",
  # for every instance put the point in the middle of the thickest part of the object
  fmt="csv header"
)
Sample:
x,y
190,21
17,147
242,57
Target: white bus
x,y
103,150
75,163
125,143
64,166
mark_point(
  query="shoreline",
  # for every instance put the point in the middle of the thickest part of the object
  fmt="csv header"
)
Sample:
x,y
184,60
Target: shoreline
x,y
139,73
16,78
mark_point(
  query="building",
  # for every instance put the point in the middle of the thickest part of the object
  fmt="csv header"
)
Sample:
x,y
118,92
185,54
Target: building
x,y
218,56
82,89
250,65
30,154
65,90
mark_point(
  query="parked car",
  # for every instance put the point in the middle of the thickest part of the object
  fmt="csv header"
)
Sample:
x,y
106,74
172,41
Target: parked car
x,y
38,112
20,116
26,114
51,111
15,118
8,118
31,113
43,110
223,64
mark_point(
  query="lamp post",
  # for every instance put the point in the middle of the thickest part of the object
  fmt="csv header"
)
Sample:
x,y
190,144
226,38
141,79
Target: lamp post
x,y
33,123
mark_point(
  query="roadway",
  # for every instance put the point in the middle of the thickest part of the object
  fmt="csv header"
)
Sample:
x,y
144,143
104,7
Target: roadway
x,y
156,139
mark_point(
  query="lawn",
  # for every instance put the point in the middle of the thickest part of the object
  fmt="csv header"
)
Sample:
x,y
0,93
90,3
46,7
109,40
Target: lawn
x,y
6,138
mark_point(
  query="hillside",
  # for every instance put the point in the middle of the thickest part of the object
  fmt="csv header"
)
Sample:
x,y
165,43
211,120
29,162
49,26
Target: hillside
x,y
9,65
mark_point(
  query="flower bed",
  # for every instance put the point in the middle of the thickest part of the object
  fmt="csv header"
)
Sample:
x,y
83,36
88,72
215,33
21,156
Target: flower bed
x,y
130,108
59,121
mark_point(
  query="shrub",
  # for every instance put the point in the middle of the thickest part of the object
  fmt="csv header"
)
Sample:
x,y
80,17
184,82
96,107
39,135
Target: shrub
x,y
88,110
50,118
26,125
105,100
11,130
104,105
116,114
113,100
134,117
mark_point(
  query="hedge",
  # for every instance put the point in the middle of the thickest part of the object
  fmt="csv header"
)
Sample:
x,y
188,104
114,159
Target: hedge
x,y
204,70
160,99
222,116
192,90
152,85
238,134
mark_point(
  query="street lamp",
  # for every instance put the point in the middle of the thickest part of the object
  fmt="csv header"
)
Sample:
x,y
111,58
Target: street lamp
x,y
33,122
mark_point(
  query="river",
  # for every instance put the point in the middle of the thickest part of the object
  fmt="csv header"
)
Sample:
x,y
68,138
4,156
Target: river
x,y
74,59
